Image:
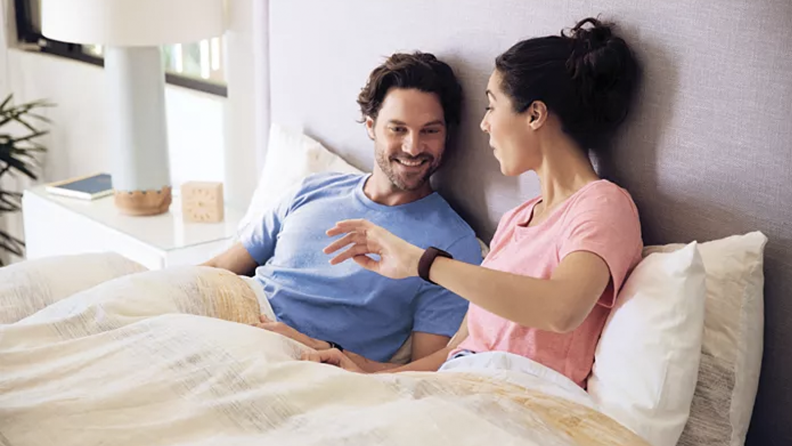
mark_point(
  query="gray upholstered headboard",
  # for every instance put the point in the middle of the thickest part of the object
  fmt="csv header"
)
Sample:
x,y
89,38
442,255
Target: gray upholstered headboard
x,y
706,153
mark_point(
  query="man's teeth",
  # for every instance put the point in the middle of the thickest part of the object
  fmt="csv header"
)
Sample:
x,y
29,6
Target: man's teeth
x,y
411,163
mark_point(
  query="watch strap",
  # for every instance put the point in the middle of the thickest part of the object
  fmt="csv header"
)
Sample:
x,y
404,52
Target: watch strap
x,y
427,259
335,346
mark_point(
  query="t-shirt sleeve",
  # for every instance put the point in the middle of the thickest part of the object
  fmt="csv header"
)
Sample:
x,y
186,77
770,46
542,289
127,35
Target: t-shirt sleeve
x,y
437,310
607,226
260,236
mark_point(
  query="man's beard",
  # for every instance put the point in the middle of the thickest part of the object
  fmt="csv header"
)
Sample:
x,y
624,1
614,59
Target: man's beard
x,y
403,182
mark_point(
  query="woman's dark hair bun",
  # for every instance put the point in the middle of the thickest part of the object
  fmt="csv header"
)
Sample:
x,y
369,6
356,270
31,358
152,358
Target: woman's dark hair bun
x,y
587,77
604,70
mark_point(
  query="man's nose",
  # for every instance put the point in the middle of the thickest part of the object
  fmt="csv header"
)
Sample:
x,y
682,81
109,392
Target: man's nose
x,y
412,144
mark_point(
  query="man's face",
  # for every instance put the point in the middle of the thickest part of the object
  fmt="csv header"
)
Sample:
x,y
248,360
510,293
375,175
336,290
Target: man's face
x,y
409,137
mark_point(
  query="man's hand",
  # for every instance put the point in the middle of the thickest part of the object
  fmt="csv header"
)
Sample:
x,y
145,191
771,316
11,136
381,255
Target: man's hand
x,y
333,357
285,330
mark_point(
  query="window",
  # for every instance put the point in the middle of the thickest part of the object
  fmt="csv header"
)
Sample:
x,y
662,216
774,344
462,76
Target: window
x,y
195,65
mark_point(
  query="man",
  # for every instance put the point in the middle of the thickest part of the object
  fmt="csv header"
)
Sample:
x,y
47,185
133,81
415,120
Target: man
x,y
408,105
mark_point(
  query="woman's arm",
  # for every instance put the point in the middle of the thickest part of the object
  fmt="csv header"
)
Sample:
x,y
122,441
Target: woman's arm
x,y
558,304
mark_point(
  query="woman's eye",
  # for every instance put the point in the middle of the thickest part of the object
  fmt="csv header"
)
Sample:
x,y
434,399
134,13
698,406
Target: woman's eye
x,y
398,129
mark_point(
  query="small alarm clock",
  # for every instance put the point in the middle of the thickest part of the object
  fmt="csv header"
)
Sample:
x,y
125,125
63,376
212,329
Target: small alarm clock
x,y
202,202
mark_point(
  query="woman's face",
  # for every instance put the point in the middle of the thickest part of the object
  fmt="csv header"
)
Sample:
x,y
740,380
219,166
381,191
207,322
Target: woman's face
x,y
511,137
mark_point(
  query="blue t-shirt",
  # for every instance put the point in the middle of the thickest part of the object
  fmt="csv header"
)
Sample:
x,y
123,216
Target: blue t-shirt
x,y
362,311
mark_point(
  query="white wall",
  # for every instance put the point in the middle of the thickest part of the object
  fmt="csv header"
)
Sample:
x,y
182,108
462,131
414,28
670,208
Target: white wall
x,y
4,87
5,32
247,119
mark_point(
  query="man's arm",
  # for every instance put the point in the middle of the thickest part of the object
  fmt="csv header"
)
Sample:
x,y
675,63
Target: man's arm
x,y
430,363
423,345
433,362
257,241
236,259
429,352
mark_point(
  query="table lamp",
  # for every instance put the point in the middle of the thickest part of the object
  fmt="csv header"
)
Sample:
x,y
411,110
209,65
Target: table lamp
x,y
131,32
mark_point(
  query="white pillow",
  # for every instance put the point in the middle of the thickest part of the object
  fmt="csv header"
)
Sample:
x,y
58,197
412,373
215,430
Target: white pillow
x,y
291,156
647,360
731,356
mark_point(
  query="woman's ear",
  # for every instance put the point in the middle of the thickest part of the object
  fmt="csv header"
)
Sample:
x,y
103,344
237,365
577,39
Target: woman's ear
x,y
370,127
537,115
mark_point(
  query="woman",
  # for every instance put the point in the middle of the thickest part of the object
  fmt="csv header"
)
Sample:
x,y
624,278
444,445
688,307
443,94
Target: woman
x,y
557,260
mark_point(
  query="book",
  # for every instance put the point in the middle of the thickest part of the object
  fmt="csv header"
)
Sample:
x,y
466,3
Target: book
x,y
87,188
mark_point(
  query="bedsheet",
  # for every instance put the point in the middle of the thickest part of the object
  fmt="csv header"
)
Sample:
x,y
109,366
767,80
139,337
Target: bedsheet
x,y
170,358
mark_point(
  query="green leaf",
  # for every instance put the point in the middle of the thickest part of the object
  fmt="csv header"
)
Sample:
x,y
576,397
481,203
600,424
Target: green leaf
x,y
40,117
21,166
11,244
16,113
18,154
28,125
29,137
11,201
7,100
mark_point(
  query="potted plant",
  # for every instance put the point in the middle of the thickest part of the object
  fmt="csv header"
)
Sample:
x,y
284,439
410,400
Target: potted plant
x,y
19,148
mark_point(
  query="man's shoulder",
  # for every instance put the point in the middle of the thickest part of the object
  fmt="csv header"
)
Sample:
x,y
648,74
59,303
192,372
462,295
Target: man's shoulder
x,y
447,230
448,221
320,186
330,180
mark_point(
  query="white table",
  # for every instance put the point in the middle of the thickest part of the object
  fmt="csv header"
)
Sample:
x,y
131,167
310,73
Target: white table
x,y
57,225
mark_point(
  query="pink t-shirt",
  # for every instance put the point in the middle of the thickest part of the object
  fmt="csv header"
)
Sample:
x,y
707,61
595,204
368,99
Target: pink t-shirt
x,y
600,218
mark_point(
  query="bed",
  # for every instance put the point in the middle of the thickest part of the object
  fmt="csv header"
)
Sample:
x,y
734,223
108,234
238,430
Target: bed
x,y
706,153
168,357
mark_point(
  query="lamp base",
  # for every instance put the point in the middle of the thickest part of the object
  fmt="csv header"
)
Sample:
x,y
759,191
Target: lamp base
x,y
145,202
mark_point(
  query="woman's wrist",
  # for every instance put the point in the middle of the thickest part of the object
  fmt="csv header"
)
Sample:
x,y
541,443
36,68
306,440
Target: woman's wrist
x,y
415,260
428,259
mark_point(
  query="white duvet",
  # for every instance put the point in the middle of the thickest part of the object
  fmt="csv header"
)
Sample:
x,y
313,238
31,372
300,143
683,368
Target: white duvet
x,y
169,358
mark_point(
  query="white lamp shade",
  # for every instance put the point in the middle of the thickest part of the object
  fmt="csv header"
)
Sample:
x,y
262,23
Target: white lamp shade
x,y
132,22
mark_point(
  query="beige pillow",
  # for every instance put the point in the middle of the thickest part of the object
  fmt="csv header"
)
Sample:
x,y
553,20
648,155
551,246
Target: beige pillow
x,y
731,353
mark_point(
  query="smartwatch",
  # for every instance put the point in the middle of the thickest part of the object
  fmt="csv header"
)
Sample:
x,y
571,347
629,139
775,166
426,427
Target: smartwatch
x,y
335,346
428,257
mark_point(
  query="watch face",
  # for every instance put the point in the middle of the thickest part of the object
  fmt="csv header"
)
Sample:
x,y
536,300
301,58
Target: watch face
x,y
201,203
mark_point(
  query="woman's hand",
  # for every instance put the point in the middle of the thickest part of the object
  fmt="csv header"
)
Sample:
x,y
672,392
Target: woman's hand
x,y
398,259
332,357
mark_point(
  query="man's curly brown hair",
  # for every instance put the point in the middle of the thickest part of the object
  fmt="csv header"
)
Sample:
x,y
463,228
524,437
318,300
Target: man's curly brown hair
x,y
420,71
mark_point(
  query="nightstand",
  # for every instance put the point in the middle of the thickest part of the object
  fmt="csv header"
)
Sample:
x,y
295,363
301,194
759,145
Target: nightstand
x,y
57,225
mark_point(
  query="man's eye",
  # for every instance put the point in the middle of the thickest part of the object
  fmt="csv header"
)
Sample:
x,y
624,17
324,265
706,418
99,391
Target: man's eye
x,y
488,108
398,129
432,131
